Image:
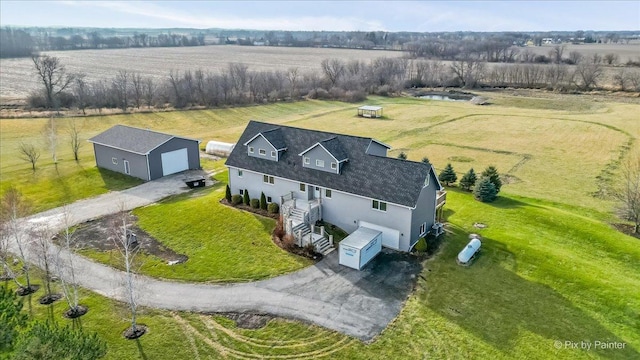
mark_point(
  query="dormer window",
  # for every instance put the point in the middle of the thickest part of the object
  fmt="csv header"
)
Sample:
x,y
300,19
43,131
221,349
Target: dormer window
x,y
334,166
320,163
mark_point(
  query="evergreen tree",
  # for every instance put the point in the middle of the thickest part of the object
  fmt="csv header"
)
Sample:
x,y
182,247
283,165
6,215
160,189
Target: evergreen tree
x,y
448,175
402,155
468,180
485,191
246,199
47,341
426,160
12,318
227,194
492,173
263,202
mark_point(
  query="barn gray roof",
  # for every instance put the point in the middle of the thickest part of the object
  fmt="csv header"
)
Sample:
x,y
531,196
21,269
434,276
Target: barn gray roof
x,y
377,177
135,140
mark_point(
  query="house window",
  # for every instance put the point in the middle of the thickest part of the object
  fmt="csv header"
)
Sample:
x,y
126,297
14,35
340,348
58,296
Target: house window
x,y
423,228
267,179
379,205
306,161
262,152
239,173
320,163
250,149
327,193
269,199
241,192
303,187
334,165
273,154
114,161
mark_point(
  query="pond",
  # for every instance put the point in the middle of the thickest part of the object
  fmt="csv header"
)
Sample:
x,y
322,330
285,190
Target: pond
x,y
446,97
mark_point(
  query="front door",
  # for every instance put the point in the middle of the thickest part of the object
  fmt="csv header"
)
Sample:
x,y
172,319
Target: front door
x,y
127,169
316,192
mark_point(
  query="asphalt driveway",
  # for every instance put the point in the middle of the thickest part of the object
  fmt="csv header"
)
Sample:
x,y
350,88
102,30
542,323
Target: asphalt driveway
x,y
356,303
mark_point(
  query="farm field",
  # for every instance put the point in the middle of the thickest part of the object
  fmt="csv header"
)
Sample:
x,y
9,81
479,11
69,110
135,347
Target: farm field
x,y
18,78
625,52
552,268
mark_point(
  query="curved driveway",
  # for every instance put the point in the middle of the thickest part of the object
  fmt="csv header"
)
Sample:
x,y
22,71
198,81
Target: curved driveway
x,y
356,303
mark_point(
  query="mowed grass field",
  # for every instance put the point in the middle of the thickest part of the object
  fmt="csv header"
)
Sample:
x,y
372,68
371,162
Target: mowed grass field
x,y
551,267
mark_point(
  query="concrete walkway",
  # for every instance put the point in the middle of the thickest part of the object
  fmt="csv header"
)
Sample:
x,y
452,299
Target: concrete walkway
x,y
356,303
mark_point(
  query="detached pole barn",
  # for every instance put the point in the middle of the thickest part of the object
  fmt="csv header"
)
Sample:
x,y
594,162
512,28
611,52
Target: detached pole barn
x,y
144,154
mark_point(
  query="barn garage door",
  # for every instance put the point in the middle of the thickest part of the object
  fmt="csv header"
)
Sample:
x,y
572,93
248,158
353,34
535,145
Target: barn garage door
x,y
174,161
390,237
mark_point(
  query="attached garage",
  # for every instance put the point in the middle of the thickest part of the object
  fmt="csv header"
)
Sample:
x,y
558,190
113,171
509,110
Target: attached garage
x,y
357,249
390,237
144,154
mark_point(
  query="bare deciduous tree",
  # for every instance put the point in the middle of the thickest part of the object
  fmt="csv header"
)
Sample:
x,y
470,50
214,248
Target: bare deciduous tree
x,y
333,69
74,138
12,209
628,193
125,242
67,268
556,53
588,74
293,77
81,92
121,87
50,133
29,153
138,91
53,75
42,249
149,91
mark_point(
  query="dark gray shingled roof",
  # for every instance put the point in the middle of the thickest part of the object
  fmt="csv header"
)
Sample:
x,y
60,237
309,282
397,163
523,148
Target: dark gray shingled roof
x,y
131,139
384,178
334,146
274,136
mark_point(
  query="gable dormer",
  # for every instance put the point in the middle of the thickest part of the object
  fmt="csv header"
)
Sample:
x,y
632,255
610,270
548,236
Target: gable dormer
x,y
377,148
326,155
268,145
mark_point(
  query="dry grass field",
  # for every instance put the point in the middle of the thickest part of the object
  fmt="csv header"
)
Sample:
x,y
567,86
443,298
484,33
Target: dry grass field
x,y
625,52
18,78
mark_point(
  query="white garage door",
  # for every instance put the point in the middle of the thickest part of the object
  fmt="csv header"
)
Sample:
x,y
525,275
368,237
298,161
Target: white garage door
x,y
390,237
174,161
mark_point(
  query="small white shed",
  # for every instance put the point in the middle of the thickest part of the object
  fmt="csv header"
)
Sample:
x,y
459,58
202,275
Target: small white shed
x,y
219,148
370,111
357,249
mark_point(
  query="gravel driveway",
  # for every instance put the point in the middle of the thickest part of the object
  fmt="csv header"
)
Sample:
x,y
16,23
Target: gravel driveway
x,y
356,303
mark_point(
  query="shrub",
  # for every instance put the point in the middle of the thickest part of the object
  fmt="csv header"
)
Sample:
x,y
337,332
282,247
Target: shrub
x,y
236,199
485,191
227,194
273,208
288,242
355,96
492,173
448,175
402,155
468,180
421,245
279,232
246,198
255,203
263,202
426,160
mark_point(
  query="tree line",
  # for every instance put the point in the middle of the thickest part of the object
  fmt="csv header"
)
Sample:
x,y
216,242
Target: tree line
x,y
19,43
336,79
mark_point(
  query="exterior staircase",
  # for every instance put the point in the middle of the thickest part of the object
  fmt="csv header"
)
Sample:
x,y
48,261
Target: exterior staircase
x,y
323,246
297,215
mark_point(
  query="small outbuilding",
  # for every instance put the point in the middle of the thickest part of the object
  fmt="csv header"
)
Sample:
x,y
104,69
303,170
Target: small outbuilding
x,y
144,154
357,249
219,148
370,111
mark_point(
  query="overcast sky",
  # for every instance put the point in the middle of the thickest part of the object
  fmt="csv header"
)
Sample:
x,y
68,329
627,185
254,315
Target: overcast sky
x,y
420,16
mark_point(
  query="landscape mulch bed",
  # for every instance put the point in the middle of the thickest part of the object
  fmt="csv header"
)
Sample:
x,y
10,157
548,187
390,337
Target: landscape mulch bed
x,y
24,291
626,229
249,321
250,209
73,314
94,234
131,334
49,299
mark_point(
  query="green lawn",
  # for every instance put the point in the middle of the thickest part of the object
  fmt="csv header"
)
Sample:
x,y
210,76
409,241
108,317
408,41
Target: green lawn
x,y
544,274
223,244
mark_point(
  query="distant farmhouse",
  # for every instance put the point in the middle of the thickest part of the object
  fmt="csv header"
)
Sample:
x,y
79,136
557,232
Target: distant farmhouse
x,y
347,181
144,154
